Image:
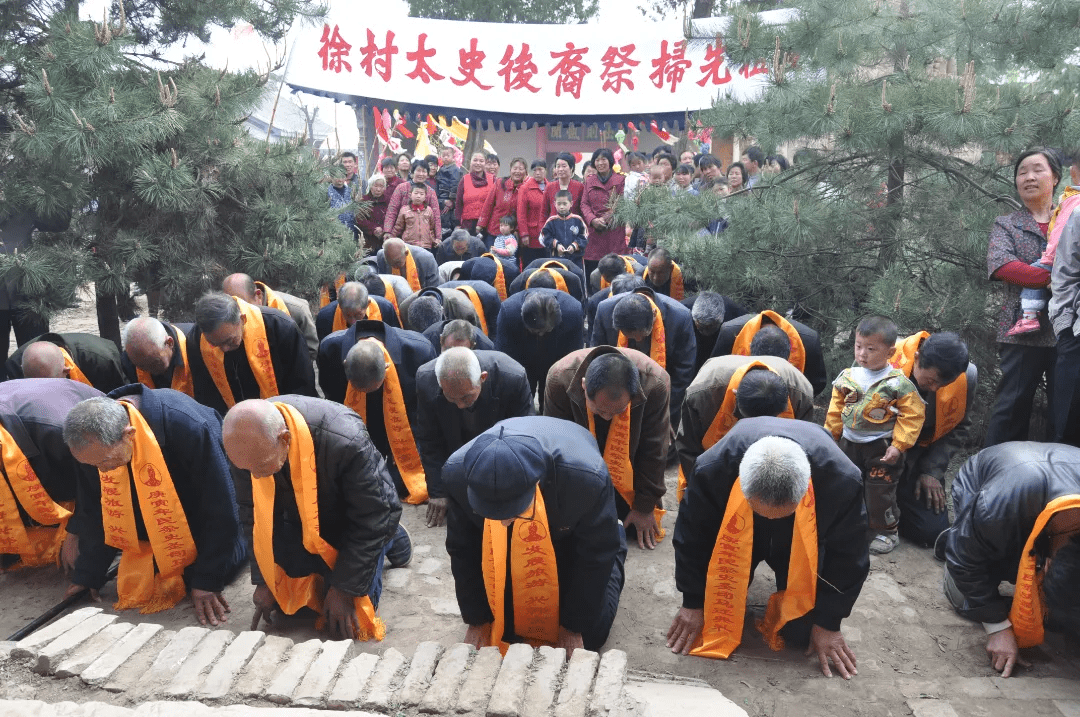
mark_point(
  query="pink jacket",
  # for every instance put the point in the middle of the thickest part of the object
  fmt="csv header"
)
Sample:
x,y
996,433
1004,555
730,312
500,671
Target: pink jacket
x,y
417,227
400,198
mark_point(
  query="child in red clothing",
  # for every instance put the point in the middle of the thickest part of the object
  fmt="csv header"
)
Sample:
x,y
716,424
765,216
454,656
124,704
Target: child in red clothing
x,y
415,224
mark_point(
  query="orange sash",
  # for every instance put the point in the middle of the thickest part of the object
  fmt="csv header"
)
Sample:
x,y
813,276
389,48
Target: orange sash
x,y
560,282
534,574
292,594
391,295
1028,606
257,349
500,276
725,418
675,290
374,313
35,545
741,347
170,546
729,578
478,305
658,338
272,299
74,372
604,283
324,290
950,402
410,271
181,377
617,458
398,430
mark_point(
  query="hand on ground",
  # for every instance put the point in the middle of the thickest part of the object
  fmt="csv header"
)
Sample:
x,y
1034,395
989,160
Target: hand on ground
x,y
830,646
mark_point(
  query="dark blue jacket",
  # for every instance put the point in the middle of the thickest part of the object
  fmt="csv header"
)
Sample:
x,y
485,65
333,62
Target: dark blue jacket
x,y
815,361
189,436
433,334
163,380
559,231
324,320
681,341
705,342
482,268
580,503
97,358
489,299
538,353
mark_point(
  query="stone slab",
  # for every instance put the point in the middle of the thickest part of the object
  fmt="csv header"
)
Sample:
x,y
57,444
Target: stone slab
x,y
508,694
49,656
316,683
1033,688
1068,708
449,675
6,646
170,658
352,681
577,684
92,649
287,679
187,679
29,645
478,684
381,684
675,700
119,672
217,683
263,665
421,669
609,683
931,708
540,692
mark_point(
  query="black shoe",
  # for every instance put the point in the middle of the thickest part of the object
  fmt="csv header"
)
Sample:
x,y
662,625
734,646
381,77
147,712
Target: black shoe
x,y
939,545
400,553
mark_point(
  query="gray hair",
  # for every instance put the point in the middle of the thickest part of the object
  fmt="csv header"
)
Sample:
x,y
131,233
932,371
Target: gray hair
x,y
460,234
97,419
352,296
215,308
708,312
365,365
145,330
424,311
775,471
459,329
633,313
458,362
625,283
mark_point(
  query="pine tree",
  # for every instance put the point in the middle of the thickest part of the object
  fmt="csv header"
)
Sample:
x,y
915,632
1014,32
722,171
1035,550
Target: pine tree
x,y
892,212
166,186
523,11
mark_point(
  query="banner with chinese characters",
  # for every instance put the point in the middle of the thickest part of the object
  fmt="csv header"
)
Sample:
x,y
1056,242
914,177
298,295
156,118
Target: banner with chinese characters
x,y
521,74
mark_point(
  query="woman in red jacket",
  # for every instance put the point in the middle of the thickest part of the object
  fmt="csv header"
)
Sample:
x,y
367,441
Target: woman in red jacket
x,y
472,192
531,214
502,201
564,179
602,191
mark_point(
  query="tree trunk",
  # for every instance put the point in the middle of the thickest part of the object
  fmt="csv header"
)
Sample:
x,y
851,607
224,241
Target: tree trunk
x,y
703,8
108,319
473,143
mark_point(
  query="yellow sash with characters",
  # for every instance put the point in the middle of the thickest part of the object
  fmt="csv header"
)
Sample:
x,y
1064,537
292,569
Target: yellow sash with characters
x,y
257,349
292,594
181,377
617,458
478,305
170,547
676,288
500,276
411,274
658,338
741,347
35,545
74,372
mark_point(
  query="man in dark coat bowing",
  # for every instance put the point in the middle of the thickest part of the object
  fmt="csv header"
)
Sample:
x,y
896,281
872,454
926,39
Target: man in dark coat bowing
x,y
354,303
85,358
159,455
40,472
239,351
735,336
342,536
537,491
554,276
459,396
485,299
537,328
492,270
155,354
709,311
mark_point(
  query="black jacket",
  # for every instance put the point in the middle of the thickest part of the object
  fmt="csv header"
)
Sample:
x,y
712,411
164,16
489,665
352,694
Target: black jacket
x,y
998,494
482,268
843,557
706,342
163,380
678,329
441,427
580,502
426,267
815,361
288,354
538,353
445,251
433,334
97,358
446,181
455,305
358,507
324,320
573,283
190,439
489,299
33,410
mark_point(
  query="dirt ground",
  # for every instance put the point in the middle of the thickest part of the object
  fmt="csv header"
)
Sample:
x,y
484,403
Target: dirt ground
x,y
908,641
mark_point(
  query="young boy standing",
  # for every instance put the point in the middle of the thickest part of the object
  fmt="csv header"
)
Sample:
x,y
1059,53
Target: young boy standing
x,y
565,235
415,224
876,415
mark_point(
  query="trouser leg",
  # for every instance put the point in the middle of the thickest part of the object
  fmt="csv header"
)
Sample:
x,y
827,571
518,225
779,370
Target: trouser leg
x,y
1021,369
879,481
1066,378
920,524
595,637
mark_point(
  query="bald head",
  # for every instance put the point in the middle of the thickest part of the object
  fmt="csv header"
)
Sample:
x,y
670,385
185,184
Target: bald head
x,y
255,437
365,366
148,344
43,359
460,378
394,253
241,286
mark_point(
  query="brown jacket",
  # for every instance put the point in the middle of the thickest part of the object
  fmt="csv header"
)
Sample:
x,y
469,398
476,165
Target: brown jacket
x,y
706,394
649,419
416,227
